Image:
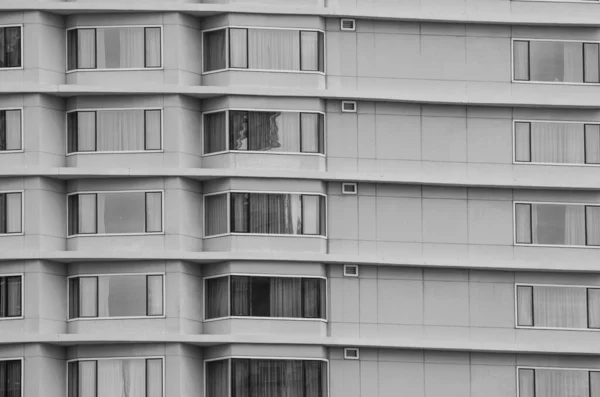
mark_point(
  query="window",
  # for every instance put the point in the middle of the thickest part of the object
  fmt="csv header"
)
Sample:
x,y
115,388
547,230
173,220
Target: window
x,y
265,213
11,213
10,47
557,142
548,306
114,130
557,224
132,377
555,61
266,378
254,296
119,295
114,48
264,49
115,213
10,130
10,296
558,382
10,378
283,132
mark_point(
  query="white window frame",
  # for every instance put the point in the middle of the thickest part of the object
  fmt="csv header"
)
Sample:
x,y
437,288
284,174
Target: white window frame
x,y
162,135
519,367
22,26
22,233
204,319
514,138
230,357
22,110
230,233
248,69
162,47
229,150
512,60
22,316
162,191
22,360
164,305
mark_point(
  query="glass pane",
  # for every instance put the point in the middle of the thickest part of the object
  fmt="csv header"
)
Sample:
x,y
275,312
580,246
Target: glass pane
x,y
13,285
273,131
273,49
309,51
86,131
121,212
561,383
557,143
120,130
86,48
155,295
310,215
154,377
217,379
215,135
260,296
240,212
525,306
215,216
240,296
556,61
594,384
217,297
562,307
240,377
73,297
593,307
120,48
153,128
238,48
13,130
286,297
72,49
310,132
522,142
154,212
14,213
521,60
87,215
72,379
526,382
238,130
590,62
88,297
592,144
13,378
592,225
122,296
87,379
122,378
523,223
10,47
214,50
557,224
153,54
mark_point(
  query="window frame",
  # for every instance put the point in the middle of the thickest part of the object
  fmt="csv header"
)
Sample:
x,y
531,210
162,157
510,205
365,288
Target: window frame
x,y
22,232
96,69
514,223
164,305
529,40
229,358
22,132
96,192
534,368
323,220
22,27
95,111
321,49
96,359
22,361
229,316
236,109
531,121
22,316
532,285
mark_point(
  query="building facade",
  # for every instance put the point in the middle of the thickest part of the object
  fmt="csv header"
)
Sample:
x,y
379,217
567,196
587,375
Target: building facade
x,y
307,198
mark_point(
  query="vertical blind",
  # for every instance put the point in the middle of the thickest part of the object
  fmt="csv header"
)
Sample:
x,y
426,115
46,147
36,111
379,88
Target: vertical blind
x,y
10,47
115,212
10,378
557,224
266,378
254,296
11,213
10,296
114,48
558,306
552,382
10,130
132,377
114,130
555,61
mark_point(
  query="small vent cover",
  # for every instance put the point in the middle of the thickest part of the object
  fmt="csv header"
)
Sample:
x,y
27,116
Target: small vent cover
x,y
349,188
351,270
351,353
348,24
349,106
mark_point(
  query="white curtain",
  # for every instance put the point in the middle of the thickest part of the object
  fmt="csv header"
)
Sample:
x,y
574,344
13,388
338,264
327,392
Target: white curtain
x,y
13,130
311,132
155,295
238,48
592,143
154,377
154,212
120,130
561,383
557,143
122,378
120,48
153,130
88,297
521,60
285,132
309,50
13,212
573,62
152,48
563,307
273,49
86,48
523,142
310,214
525,305
103,296
294,209
590,59
526,382
87,214
86,131
87,379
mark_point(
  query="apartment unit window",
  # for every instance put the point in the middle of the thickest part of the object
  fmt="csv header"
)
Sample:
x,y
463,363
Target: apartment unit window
x,y
264,49
115,213
10,378
10,296
259,296
131,377
10,130
265,213
557,224
282,132
558,382
114,48
548,306
248,377
555,61
114,130
118,295
11,213
10,47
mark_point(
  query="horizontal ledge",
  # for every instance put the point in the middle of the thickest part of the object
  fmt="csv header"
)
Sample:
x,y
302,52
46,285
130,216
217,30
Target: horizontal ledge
x,y
442,92
490,344
507,12
423,173
448,261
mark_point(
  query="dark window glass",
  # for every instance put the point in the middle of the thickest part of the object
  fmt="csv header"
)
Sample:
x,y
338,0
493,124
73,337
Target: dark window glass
x,y
10,296
10,47
214,50
10,378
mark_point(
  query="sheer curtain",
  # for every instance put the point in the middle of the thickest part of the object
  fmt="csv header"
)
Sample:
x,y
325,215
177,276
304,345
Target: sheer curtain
x,y
152,50
315,378
124,378
313,298
593,307
238,130
573,62
526,382
215,135
215,214
154,212
310,214
14,212
557,143
87,220
522,141
10,47
13,130
286,297
563,307
558,224
592,225
561,383
217,297
104,295
240,212
154,297
86,131
273,49
309,50
153,129
217,379
592,143
525,306
88,297
590,63
120,48
86,48
214,50
261,219
154,377
122,212
120,130
238,48
87,379
240,296
310,131
285,132
521,60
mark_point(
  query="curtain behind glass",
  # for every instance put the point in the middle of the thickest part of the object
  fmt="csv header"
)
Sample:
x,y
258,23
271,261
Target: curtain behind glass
x,y
217,297
120,130
214,50
87,214
14,212
122,296
556,61
86,131
238,130
286,297
526,382
86,48
590,63
557,143
240,296
10,47
522,141
87,379
273,49
525,306
562,307
154,212
309,50
521,60
557,224
215,214
154,295
154,377
217,379
122,378
12,130
153,130
120,48
310,215
561,383
88,297
592,225
121,212
240,377
13,293
152,50
238,48
523,223
310,133
240,212
592,143
315,378
313,298
215,135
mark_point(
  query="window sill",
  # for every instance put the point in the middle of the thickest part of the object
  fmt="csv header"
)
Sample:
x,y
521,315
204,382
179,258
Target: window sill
x,y
323,320
264,152
114,70
22,317
556,246
264,71
115,152
554,83
115,234
268,235
117,318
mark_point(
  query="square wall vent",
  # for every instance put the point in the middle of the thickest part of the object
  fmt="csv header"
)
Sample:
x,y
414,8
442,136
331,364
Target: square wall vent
x,y
348,24
349,106
351,353
351,270
349,188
